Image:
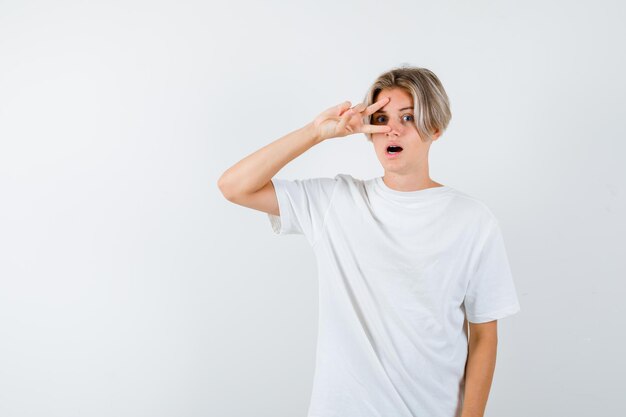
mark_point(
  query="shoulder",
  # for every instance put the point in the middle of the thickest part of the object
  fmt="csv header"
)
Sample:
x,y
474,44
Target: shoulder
x,y
474,208
347,181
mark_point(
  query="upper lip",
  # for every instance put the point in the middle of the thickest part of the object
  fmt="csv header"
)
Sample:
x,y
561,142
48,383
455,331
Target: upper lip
x,y
394,144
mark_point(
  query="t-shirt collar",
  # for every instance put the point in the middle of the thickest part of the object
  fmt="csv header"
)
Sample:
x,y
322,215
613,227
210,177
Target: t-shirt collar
x,y
426,193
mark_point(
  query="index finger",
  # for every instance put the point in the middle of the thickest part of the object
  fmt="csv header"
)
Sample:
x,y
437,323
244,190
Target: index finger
x,y
373,107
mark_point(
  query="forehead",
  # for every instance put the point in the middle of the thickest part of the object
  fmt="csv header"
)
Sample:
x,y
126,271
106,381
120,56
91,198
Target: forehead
x,y
399,99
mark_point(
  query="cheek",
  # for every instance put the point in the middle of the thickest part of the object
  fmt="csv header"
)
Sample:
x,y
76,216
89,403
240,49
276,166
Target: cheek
x,y
378,136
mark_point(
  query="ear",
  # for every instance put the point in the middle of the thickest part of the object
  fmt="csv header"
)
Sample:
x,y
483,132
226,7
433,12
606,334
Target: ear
x,y
436,135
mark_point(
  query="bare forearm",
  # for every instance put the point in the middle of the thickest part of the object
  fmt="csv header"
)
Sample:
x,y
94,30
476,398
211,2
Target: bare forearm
x,y
481,363
257,169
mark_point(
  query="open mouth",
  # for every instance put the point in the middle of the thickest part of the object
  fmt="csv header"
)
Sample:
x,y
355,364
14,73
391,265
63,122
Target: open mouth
x,y
393,150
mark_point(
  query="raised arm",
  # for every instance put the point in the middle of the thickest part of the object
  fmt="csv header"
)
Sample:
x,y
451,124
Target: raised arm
x,y
248,182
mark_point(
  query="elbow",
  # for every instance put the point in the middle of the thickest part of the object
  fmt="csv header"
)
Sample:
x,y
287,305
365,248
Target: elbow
x,y
229,188
223,186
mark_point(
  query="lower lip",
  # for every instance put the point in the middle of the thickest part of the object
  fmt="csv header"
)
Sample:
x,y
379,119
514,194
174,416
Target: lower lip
x,y
392,155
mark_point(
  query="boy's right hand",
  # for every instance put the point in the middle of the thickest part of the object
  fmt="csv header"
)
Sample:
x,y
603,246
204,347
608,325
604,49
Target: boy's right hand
x,y
342,120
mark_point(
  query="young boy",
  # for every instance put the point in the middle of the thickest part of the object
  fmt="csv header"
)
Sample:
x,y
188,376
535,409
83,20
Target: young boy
x,y
404,262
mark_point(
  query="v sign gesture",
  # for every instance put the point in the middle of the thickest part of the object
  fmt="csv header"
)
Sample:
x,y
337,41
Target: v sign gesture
x,y
343,120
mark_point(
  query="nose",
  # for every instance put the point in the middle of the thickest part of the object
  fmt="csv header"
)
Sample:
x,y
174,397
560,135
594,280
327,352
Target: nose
x,y
396,128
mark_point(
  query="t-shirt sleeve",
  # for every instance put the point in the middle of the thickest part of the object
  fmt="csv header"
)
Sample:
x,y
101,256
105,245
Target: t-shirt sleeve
x,y
303,205
491,293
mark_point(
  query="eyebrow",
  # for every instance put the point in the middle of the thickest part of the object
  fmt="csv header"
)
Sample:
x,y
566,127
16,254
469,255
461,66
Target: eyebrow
x,y
404,108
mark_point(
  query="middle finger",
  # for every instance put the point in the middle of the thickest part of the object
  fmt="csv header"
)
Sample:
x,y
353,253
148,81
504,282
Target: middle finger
x,y
373,107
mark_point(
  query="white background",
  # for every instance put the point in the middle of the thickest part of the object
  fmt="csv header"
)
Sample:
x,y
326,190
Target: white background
x,y
130,287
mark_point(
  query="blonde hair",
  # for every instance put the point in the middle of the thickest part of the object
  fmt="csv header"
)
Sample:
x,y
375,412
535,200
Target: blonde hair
x,y
431,106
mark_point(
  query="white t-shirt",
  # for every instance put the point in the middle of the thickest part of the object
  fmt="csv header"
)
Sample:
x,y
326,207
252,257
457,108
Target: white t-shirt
x,y
399,272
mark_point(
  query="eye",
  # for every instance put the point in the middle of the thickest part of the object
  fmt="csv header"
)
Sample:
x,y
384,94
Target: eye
x,y
410,116
379,119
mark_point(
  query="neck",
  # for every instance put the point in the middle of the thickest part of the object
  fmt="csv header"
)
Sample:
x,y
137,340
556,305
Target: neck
x,y
409,182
